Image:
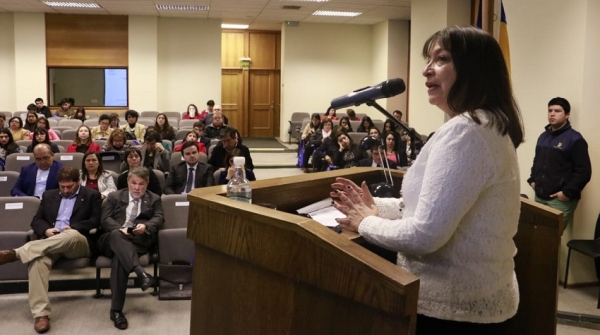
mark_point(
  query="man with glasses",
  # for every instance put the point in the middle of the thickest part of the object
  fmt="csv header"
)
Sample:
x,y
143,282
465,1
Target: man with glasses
x,y
38,177
62,224
230,139
103,130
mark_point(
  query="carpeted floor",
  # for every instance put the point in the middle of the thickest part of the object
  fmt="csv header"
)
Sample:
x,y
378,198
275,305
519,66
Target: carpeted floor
x,y
263,143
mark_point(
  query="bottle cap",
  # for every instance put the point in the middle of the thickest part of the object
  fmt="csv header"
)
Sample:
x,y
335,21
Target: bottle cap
x,y
239,160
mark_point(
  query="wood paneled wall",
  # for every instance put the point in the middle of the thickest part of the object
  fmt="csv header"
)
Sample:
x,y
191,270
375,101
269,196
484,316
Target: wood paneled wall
x,y
87,40
263,47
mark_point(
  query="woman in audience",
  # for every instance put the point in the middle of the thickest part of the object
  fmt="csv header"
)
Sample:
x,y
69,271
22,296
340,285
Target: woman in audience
x,y
392,152
114,121
116,142
310,129
389,126
80,114
365,125
16,128
133,159
43,123
31,121
191,113
330,114
83,141
352,114
7,146
162,127
94,176
40,135
345,123
191,136
226,175
348,153
374,132
326,144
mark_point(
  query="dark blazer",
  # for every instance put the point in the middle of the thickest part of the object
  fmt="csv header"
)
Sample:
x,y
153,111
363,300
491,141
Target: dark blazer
x,y
369,162
25,185
114,215
177,178
219,154
85,216
161,161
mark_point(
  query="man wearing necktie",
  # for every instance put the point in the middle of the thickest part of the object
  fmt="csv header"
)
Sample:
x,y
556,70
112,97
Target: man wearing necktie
x,y
189,174
62,225
131,219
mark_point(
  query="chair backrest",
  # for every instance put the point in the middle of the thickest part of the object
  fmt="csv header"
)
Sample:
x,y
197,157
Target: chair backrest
x,y
91,122
168,144
7,181
73,123
356,137
73,159
360,115
175,209
355,124
20,210
57,132
149,114
93,115
161,178
15,161
181,133
217,175
187,123
25,143
299,116
7,114
115,176
61,128
111,161
52,122
100,143
210,150
148,122
61,148
379,124
178,142
64,143
173,117
20,114
69,134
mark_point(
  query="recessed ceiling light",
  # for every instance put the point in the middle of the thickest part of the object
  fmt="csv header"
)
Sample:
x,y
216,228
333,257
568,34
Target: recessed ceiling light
x,y
182,7
234,26
335,13
72,4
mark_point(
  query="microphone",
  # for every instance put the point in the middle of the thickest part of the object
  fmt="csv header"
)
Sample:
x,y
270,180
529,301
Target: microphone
x,y
384,89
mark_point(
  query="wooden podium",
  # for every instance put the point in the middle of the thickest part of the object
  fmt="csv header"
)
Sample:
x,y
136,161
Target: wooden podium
x,y
263,271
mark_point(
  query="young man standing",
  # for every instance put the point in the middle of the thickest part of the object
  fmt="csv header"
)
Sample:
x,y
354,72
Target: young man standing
x,y
561,166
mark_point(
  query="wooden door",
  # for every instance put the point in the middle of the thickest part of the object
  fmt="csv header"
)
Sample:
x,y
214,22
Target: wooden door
x,y
263,104
232,97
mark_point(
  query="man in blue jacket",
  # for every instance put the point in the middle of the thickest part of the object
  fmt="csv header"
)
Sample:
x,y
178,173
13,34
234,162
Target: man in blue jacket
x,y
38,177
561,166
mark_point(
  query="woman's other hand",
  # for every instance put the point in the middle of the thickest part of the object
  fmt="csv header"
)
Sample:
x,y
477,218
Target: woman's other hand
x,y
343,184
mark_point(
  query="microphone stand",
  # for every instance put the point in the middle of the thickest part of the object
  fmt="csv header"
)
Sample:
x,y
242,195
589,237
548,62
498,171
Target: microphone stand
x,y
416,142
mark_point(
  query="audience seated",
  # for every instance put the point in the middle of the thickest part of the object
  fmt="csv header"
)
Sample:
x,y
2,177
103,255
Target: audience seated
x,y
114,121
65,109
210,104
389,126
83,142
345,124
209,117
190,173
36,178
192,135
2,120
133,130
80,114
163,127
16,128
348,153
392,152
352,115
94,176
131,219
230,140
40,135
31,119
116,142
191,113
41,108
374,132
199,128
43,123
213,130
330,114
7,146
154,155
324,144
103,130
133,159
227,174
375,160
365,125
311,128
62,224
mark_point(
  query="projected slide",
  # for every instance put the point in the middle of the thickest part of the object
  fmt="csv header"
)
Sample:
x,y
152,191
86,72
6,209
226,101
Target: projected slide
x,y
115,87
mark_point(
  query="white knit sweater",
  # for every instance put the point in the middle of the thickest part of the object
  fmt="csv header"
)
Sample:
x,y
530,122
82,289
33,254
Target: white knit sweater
x,y
461,212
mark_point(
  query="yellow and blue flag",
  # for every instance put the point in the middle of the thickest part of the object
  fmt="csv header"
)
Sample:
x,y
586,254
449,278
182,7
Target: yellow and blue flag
x,y
503,33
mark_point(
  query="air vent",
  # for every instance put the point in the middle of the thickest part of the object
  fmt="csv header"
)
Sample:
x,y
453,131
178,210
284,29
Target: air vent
x,y
291,7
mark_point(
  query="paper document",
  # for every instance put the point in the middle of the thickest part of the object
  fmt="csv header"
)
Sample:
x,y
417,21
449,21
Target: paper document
x,y
323,212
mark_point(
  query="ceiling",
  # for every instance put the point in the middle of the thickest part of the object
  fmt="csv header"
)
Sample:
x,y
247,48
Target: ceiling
x,y
259,14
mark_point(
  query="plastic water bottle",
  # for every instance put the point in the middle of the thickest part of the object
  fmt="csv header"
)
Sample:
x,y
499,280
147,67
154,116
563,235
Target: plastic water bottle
x,y
239,187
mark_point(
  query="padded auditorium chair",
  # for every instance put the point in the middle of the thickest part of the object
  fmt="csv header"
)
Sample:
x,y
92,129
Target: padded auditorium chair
x,y
295,123
7,181
590,248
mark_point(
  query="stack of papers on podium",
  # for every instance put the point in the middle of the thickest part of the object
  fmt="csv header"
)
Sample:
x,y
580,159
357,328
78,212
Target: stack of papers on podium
x,y
323,212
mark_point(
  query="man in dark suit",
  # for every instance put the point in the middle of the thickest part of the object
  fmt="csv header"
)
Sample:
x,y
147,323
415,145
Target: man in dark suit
x,y
63,223
375,160
189,174
229,141
38,177
131,218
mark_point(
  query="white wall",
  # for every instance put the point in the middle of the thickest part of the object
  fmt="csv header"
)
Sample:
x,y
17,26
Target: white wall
x,y
7,63
30,58
189,63
143,63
